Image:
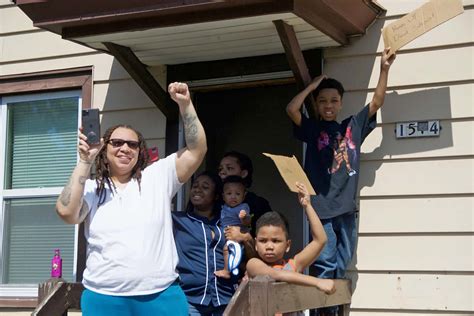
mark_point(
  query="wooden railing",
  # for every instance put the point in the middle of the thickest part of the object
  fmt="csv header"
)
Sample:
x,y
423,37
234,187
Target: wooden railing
x,y
260,296
56,297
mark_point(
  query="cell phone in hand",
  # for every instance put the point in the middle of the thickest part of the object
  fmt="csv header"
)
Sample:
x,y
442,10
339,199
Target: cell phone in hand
x,y
91,126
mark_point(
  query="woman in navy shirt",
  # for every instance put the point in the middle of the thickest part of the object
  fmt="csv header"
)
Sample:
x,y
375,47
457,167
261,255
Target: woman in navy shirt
x,y
200,240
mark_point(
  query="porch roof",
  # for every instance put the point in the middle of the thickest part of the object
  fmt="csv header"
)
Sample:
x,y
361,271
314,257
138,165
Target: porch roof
x,y
177,32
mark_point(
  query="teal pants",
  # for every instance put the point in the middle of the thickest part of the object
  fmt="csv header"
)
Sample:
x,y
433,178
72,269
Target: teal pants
x,y
171,301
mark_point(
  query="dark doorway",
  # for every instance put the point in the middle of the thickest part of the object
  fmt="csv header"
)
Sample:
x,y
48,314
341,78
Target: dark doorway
x,y
252,121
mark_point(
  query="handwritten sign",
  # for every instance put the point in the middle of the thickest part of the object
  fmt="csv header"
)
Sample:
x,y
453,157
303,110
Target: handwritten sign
x,y
431,14
291,172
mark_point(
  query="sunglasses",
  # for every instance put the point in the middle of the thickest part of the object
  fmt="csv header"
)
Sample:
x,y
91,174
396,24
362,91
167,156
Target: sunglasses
x,y
116,143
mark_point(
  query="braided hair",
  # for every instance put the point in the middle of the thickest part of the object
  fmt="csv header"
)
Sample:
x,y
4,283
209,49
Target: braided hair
x,y
102,168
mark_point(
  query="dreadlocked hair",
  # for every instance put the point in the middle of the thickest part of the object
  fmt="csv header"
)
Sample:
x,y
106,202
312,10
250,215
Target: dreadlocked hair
x,y
102,177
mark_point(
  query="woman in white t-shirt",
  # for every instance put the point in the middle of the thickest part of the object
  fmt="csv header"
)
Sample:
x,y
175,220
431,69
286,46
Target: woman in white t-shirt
x,y
131,253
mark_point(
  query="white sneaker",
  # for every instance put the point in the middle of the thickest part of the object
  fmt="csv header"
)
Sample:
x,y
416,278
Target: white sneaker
x,y
235,256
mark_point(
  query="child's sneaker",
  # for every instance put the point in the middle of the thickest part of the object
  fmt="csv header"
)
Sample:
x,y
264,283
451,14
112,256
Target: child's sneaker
x,y
235,256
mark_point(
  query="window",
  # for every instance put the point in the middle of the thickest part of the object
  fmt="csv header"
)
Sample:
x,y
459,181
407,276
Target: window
x,y
38,136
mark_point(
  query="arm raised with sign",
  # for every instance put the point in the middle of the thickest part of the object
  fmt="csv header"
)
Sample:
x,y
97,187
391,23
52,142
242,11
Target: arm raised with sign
x,y
380,90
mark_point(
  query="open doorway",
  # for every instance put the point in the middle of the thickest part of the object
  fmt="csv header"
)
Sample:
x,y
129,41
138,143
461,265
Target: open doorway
x,y
253,120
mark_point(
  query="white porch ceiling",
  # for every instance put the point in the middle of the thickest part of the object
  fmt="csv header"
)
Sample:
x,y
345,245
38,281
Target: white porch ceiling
x,y
243,37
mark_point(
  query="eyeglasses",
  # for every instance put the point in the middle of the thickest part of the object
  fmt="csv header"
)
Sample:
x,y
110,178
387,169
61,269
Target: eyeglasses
x,y
116,143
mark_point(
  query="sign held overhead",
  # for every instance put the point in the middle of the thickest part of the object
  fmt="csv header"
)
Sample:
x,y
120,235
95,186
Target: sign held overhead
x,y
399,33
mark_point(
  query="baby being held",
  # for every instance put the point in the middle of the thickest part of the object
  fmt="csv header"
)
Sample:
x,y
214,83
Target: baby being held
x,y
234,213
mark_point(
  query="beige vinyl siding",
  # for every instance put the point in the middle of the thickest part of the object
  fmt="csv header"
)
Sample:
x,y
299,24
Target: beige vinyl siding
x,y
117,95
445,67
413,292
383,252
13,20
451,175
414,102
388,215
105,66
416,225
38,45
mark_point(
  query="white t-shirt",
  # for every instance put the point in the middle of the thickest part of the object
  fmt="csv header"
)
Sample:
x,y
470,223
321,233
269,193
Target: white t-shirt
x,y
130,243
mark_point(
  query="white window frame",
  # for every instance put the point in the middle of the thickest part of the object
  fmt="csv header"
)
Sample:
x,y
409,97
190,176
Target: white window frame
x,y
28,290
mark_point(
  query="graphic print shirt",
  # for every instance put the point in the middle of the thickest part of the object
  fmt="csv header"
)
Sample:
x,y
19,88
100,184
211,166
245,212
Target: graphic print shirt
x,y
335,182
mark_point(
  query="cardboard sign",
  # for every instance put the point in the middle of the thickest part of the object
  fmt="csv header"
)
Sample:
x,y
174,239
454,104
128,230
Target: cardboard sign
x,y
291,171
431,14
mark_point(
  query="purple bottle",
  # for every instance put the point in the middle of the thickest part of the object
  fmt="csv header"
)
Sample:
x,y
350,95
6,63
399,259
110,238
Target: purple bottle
x,y
56,265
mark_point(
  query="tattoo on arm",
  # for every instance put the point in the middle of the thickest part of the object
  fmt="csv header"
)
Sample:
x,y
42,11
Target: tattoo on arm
x,y
65,197
82,180
190,130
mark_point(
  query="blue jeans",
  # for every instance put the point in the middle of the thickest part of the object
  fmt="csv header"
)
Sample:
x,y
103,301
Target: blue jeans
x,y
337,254
203,310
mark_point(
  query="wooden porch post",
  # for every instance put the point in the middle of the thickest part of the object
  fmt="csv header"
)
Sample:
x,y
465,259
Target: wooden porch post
x,y
295,59
260,302
144,79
